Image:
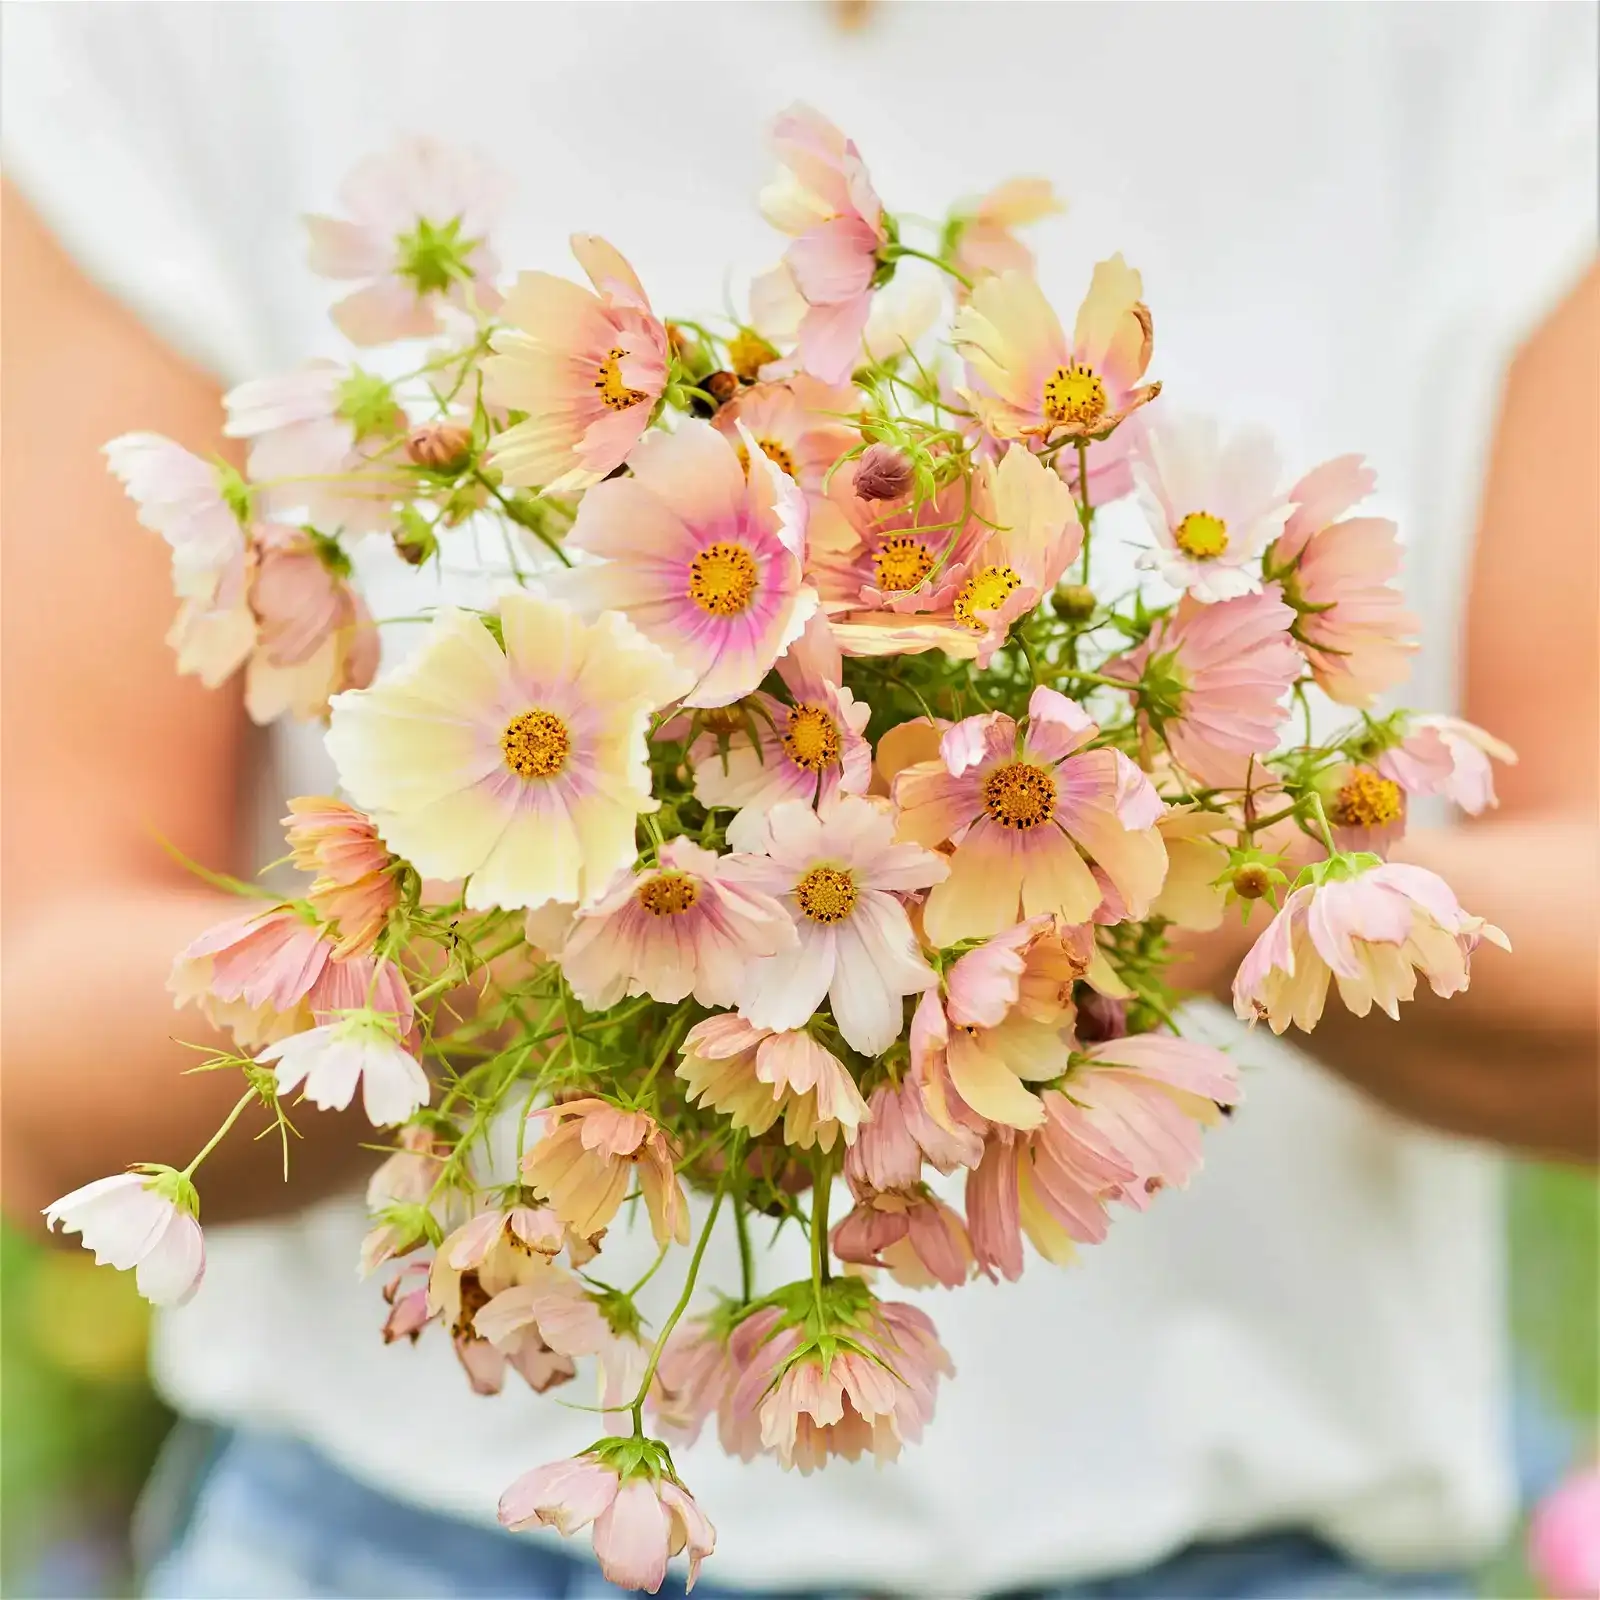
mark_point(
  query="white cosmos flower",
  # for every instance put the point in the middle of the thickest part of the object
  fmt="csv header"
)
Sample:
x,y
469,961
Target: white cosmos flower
x,y
144,1220
361,1047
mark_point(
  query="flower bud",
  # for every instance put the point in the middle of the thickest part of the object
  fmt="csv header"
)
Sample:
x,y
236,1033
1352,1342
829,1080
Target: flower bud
x,y
414,540
721,386
1073,602
440,446
1252,880
883,474
1100,1017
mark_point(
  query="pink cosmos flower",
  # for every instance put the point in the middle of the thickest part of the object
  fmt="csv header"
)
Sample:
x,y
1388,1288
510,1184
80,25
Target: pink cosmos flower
x,y
1372,930
901,1133
1564,1538
987,243
587,368
1357,634
314,636
1213,679
1445,755
1022,821
1007,1019
669,931
407,1299
876,1393
355,885
522,763
585,1161
912,1233
331,1059
838,874
639,1521
698,1376
145,1220
824,200
1213,506
1366,809
1029,381
753,1075
418,218
703,559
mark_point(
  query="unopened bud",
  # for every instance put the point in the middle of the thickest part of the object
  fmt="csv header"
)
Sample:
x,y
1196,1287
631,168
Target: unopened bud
x,y
1251,881
1073,602
883,474
721,386
414,540
1100,1017
440,446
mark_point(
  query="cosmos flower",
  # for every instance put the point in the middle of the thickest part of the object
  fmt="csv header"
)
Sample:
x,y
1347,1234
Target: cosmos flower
x,y
145,1220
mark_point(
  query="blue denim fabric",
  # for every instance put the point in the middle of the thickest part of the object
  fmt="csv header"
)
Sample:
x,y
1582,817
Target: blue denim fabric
x,y
266,1518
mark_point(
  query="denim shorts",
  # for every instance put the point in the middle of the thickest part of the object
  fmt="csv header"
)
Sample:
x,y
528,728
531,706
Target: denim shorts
x,y
254,1516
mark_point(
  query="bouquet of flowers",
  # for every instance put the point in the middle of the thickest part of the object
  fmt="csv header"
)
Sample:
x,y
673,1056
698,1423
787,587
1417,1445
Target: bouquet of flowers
x,y
799,815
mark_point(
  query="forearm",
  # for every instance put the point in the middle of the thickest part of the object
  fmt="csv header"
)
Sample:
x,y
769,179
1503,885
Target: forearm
x,y
94,1075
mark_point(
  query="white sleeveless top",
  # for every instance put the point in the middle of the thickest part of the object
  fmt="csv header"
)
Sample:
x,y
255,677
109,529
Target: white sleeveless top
x,y
1345,217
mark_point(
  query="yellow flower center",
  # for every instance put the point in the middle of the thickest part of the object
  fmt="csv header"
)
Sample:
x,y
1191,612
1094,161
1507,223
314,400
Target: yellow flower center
x,y
723,719
615,394
1074,394
902,563
984,591
668,894
1367,801
722,579
812,738
1202,535
777,453
748,353
826,894
536,744
1019,795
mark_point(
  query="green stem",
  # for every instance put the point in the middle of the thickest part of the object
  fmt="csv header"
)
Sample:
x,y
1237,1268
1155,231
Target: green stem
x,y
1085,510
747,1262
525,519
217,1138
895,251
1322,822
821,1187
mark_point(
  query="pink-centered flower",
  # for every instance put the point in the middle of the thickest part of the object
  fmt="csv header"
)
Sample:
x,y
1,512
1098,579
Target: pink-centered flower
x,y
1213,506
640,1520
703,554
1450,757
824,200
355,884
1023,820
1029,381
1372,930
144,1220
1564,1538
753,1076
911,1233
1213,679
839,875
327,1062
679,928
587,368
585,1161
418,217
986,241
523,766
1337,572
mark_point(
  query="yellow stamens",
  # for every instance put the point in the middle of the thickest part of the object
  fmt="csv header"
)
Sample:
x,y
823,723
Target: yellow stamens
x,y
826,894
984,591
1202,535
668,894
614,393
1019,795
1367,801
722,579
536,744
1074,394
902,563
812,738
778,454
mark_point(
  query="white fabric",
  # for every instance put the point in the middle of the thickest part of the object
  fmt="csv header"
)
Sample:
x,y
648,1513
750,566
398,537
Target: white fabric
x,y
1345,217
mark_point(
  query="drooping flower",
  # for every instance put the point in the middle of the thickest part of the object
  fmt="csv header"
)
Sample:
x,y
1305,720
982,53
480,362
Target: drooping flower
x,y
524,767
1352,623
754,1076
1029,381
587,368
402,1184
418,219
986,242
585,1162
314,636
1022,821
1212,681
1213,506
355,885
703,554
1564,1538
824,200
641,1517
362,1047
698,1376
912,1233
676,929
148,1220
900,1133
1372,926
1445,755
838,874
